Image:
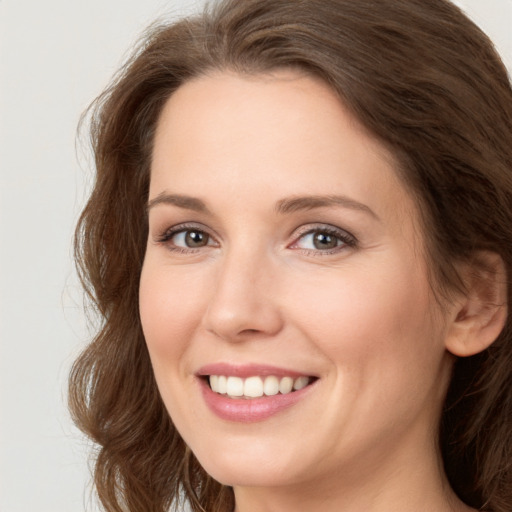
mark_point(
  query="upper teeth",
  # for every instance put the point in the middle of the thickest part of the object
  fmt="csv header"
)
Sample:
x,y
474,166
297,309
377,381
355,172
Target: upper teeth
x,y
254,387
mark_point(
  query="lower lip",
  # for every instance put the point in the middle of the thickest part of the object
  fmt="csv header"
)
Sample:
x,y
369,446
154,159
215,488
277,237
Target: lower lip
x,y
250,410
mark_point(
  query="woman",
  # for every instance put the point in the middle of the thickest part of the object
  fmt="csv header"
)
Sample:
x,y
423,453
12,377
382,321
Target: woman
x,y
300,240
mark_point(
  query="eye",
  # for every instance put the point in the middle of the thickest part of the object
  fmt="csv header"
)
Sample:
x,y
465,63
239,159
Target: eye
x,y
324,240
183,238
191,238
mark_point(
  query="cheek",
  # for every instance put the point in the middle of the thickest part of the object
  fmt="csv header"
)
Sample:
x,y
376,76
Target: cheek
x,y
387,359
374,320
170,309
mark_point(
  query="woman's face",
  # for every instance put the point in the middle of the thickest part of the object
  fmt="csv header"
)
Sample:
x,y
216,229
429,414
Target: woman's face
x,y
283,250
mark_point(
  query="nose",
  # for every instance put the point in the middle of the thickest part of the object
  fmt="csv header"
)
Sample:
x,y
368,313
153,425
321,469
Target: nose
x,y
243,304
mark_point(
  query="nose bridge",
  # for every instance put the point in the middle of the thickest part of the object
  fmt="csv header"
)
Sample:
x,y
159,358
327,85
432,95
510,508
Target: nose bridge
x,y
242,301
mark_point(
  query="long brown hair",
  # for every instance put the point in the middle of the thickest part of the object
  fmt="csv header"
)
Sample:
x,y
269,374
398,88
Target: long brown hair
x,y
425,81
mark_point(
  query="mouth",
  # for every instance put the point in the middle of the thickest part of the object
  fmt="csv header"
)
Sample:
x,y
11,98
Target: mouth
x,y
252,392
256,386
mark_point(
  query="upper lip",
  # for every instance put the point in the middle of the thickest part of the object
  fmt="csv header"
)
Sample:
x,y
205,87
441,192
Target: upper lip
x,y
248,370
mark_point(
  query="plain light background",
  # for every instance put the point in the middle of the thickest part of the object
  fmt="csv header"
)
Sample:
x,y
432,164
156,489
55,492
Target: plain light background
x,y
55,57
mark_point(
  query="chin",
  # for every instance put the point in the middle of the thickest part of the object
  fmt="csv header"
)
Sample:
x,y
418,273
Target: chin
x,y
246,475
253,467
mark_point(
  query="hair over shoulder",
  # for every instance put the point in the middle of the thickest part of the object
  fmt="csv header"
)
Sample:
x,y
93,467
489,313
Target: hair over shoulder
x,y
418,75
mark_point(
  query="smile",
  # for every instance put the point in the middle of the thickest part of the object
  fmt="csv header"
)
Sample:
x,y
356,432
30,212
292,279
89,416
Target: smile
x,y
256,386
252,392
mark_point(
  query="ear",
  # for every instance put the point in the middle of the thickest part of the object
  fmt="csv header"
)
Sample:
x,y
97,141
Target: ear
x,y
481,312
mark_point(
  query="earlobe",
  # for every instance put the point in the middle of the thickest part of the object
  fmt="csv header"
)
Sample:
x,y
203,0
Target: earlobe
x,y
481,313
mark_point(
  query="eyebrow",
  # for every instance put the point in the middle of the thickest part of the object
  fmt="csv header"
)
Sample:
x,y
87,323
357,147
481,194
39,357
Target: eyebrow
x,y
283,206
294,204
182,201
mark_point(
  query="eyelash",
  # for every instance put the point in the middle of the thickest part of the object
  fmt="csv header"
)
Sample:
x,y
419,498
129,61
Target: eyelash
x,y
347,240
167,236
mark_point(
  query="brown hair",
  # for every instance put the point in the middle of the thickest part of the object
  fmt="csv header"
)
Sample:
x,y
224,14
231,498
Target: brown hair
x,y
422,78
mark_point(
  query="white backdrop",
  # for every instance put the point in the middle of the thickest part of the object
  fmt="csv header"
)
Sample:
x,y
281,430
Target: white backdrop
x,y
55,57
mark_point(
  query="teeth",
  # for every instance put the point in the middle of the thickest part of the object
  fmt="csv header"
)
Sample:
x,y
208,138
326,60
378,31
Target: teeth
x,y
271,386
222,386
256,387
253,387
235,386
285,385
300,383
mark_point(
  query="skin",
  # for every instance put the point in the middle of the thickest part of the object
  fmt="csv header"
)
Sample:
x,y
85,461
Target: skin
x,y
361,316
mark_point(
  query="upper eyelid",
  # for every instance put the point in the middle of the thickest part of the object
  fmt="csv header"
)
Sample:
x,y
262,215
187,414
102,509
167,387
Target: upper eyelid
x,y
312,227
185,226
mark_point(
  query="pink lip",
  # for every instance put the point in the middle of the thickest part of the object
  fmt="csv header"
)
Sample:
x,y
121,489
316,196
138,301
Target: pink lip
x,y
247,370
248,410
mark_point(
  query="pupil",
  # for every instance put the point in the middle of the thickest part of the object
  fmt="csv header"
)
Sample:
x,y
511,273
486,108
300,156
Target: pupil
x,y
196,239
324,241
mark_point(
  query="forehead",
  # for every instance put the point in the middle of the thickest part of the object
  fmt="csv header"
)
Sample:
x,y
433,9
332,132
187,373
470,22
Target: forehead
x,y
283,134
